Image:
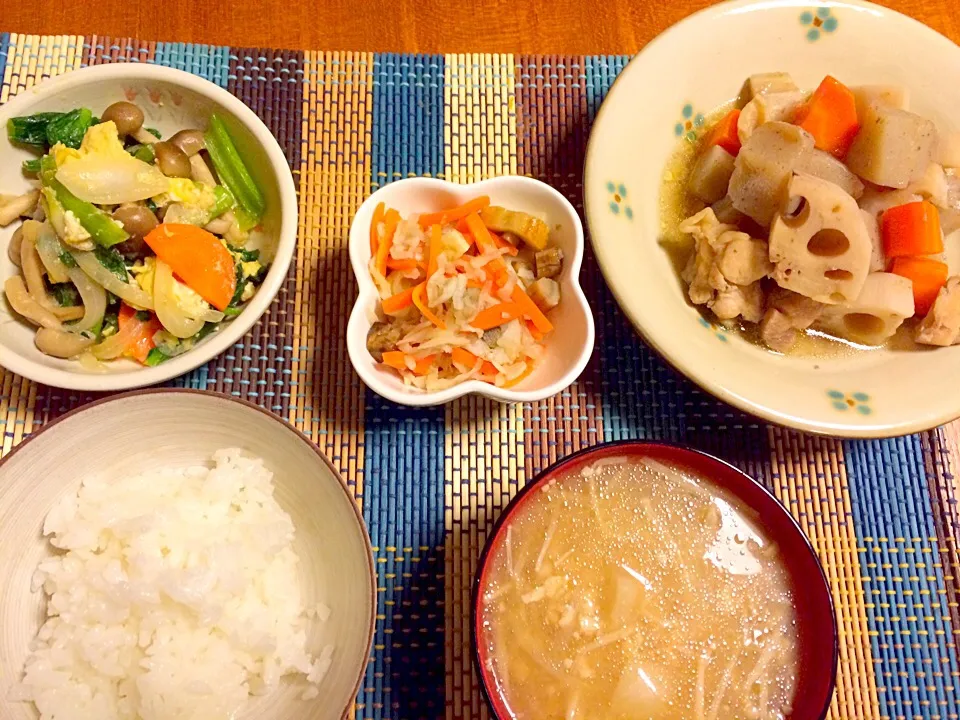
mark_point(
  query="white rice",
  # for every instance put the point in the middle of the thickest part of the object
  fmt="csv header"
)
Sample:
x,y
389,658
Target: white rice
x,y
176,597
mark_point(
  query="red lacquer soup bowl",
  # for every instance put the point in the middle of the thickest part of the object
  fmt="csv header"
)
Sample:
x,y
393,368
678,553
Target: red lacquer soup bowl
x,y
817,635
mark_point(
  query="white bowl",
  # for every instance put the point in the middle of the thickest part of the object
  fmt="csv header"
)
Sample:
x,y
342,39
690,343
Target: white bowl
x,y
183,428
171,100
568,347
701,63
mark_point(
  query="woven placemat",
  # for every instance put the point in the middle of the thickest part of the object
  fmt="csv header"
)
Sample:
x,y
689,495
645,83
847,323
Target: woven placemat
x,y
882,514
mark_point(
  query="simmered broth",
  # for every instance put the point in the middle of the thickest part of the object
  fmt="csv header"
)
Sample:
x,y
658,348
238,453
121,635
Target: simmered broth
x,y
634,590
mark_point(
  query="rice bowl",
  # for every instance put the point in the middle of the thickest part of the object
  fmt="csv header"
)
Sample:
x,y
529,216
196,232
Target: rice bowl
x,y
312,555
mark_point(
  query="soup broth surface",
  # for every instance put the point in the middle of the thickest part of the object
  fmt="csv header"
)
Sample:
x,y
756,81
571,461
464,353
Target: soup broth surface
x,y
633,590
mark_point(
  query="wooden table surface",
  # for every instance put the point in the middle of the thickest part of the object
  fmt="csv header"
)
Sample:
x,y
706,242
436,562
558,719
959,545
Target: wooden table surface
x,y
525,26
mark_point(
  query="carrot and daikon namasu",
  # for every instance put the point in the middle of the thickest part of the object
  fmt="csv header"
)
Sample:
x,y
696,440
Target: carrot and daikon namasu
x,y
465,293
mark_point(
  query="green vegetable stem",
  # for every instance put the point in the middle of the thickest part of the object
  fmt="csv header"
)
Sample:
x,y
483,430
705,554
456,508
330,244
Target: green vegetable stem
x,y
232,170
104,231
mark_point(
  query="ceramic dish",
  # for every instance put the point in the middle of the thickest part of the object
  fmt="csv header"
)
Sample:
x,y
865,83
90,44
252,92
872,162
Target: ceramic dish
x,y
817,636
568,348
171,100
639,125
182,428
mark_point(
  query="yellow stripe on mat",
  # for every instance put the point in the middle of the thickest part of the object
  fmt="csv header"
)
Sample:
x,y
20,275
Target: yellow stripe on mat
x,y
811,480
484,449
327,402
29,59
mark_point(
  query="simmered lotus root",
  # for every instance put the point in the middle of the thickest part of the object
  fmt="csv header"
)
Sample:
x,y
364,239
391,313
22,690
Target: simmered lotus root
x,y
821,249
885,301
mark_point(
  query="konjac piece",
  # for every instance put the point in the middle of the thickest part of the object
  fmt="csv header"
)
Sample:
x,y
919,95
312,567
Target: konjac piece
x,y
893,148
763,169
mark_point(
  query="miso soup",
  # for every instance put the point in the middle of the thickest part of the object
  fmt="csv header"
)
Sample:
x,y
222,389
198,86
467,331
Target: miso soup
x,y
634,590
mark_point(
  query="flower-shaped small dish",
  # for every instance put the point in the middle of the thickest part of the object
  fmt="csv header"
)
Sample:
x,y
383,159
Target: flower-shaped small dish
x,y
568,348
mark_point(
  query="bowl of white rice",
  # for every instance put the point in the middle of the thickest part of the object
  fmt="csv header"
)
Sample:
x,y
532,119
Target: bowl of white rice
x,y
178,554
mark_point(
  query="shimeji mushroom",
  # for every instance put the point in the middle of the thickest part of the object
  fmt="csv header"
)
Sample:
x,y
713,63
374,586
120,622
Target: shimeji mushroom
x,y
769,107
763,169
129,121
885,301
893,148
819,243
15,206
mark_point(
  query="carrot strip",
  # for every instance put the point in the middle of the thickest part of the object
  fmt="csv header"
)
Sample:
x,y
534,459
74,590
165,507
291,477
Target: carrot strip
x,y
141,340
396,303
486,244
496,316
375,229
927,276
446,216
468,359
522,376
830,115
434,252
725,134
390,221
911,229
398,361
421,303
405,264
531,310
395,359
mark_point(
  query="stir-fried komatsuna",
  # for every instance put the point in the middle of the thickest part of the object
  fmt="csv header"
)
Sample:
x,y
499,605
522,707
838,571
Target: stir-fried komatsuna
x,y
131,245
826,210
464,293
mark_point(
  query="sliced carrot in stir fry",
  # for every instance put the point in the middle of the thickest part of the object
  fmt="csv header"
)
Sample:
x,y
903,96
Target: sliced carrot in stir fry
x,y
399,302
398,361
434,251
420,301
390,221
375,229
531,310
496,316
447,216
405,264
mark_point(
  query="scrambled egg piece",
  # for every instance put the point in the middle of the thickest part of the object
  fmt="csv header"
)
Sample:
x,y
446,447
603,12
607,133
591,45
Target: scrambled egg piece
x,y
74,232
99,139
250,269
189,301
143,272
103,139
187,192
63,154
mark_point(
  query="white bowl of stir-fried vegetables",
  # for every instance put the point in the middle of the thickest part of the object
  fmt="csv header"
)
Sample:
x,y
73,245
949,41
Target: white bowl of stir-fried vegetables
x,y
147,220
468,289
